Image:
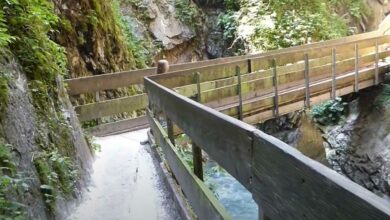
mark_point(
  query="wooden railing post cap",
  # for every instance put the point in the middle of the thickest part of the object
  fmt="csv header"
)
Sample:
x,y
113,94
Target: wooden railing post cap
x,y
162,66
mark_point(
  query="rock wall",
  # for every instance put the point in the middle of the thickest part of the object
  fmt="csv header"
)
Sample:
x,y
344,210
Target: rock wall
x,y
359,147
30,138
167,33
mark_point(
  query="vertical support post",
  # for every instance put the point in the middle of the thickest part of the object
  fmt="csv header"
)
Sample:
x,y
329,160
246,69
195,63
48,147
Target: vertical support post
x,y
240,113
356,88
97,99
163,67
249,65
275,84
376,63
197,151
333,95
307,82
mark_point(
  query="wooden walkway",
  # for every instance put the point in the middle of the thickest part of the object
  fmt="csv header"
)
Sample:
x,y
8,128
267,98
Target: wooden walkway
x,y
213,102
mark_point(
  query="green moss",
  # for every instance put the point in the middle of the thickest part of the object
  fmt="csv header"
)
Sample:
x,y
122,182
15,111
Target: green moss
x,y
31,22
3,92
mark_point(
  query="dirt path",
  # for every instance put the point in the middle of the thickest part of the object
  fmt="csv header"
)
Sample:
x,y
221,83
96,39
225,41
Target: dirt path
x,y
125,183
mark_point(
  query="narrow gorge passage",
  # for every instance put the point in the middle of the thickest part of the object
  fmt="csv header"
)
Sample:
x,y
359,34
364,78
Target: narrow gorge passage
x,y
125,183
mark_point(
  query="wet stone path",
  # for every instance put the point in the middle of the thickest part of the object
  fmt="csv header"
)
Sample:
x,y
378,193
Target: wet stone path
x,y
125,183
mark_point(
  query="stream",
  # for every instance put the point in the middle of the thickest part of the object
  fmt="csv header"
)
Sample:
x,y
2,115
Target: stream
x,y
237,201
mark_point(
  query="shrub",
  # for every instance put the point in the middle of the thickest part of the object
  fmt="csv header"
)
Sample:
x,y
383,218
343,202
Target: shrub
x,y
383,97
329,112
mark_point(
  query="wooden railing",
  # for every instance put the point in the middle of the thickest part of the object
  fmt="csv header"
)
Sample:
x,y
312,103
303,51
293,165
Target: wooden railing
x,y
218,80
285,183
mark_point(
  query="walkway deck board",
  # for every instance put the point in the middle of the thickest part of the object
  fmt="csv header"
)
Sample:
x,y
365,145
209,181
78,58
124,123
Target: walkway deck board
x,y
125,183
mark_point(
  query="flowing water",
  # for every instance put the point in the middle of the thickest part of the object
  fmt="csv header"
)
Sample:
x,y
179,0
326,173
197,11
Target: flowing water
x,y
233,196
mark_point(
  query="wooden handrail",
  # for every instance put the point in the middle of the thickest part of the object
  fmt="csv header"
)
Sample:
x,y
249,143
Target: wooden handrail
x,y
91,84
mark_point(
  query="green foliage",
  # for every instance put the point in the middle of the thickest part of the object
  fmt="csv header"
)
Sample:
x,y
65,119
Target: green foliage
x,y
329,112
94,147
285,23
3,92
5,38
135,46
383,97
228,23
183,147
294,29
31,22
232,5
11,183
58,176
188,13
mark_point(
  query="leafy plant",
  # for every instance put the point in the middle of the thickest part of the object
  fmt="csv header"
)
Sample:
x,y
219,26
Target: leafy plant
x,y
135,46
383,97
11,183
5,38
57,174
187,12
31,22
228,23
329,112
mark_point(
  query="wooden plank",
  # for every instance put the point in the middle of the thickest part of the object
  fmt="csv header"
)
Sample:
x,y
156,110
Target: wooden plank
x,y
292,186
376,63
107,81
190,90
197,161
208,73
203,124
124,79
307,82
276,94
314,53
196,150
202,200
117,127
184,77
239,93
265,115
286,80
356,67
334,73
265,102
111,107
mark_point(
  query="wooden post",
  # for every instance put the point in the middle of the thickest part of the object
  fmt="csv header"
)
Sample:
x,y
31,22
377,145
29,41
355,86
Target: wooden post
x,y
275,84
97,99
333,95
199,92
307,82
197,151
240,113
356,88
249,65
376,63
163,67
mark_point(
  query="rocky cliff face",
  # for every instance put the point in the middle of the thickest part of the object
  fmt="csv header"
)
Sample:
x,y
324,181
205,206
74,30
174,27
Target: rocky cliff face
x,y
359,146
93,38
173,30
47,152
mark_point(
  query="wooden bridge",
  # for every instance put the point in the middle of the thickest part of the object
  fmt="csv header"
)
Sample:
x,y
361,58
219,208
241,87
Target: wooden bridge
x,y
213,102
